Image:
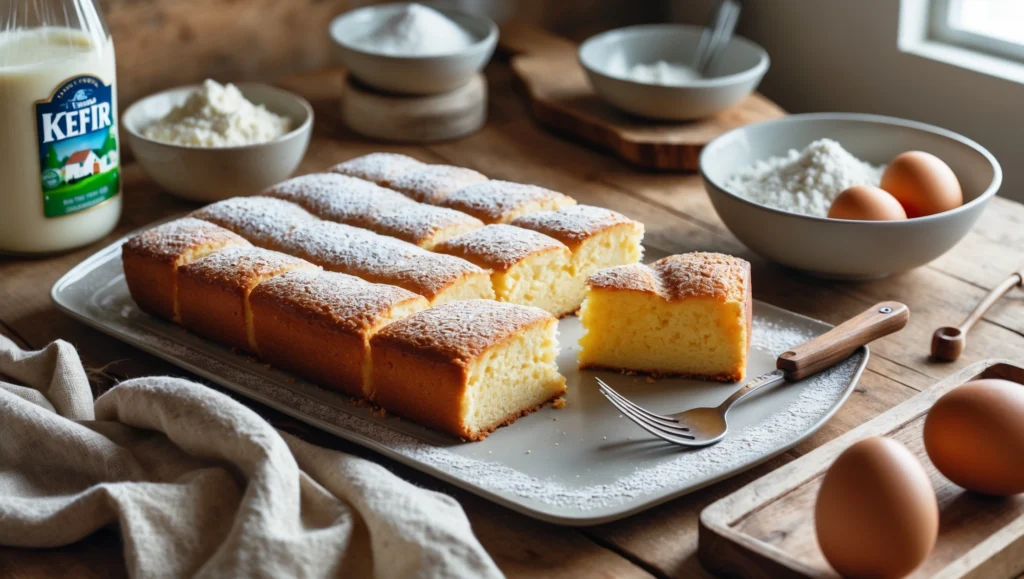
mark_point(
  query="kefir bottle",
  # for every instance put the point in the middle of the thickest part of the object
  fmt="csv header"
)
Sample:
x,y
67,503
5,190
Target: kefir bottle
x,y
60,178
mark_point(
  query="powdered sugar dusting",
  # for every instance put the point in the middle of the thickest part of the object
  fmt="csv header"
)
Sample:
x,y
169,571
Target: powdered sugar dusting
x,y
431,183
804,181
499,246
377,167
494,201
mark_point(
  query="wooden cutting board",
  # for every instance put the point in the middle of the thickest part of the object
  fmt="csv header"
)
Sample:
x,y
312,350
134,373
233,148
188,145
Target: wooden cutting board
x,y
766,529
562,100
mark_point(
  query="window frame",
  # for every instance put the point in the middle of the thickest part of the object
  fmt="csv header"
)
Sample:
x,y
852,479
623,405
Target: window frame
x,y
939,29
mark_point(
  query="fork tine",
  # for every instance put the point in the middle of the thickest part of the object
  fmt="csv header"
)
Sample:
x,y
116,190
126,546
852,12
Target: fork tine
x,y
635,406
680,439
621,402
647,424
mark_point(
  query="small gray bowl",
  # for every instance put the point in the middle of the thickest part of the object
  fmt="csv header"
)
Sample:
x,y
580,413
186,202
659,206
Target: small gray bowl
x,y
733,75
208,174
416,75
837,248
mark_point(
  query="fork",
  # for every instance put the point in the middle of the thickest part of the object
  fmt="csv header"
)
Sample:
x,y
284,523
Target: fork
x,y
705,426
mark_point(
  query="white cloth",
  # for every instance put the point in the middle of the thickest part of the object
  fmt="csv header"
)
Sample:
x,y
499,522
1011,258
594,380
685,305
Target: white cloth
x,y
200,485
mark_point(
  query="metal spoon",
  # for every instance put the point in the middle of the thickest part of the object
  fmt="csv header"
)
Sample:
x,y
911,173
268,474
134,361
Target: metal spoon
x,y
716,34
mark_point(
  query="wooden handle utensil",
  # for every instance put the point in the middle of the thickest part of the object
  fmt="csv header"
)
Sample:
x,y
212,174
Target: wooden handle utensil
x,y
838,343
949,342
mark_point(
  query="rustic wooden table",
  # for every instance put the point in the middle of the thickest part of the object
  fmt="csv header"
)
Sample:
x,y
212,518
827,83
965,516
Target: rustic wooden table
x,y
661,542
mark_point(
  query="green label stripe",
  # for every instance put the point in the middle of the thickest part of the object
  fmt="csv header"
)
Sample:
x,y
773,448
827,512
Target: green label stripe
x,y
92,190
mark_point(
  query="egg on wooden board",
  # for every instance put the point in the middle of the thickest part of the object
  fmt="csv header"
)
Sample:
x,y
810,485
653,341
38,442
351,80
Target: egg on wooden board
x,y
974,435
876,514
866,203
922,183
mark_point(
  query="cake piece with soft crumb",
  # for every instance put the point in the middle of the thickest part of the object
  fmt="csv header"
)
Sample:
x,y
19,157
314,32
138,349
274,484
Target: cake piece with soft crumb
x,y
380,259
432,183
363,204
468,367
318,324
264,221
688,315
214,291
377,167
528,268
597,237
497,201
152,259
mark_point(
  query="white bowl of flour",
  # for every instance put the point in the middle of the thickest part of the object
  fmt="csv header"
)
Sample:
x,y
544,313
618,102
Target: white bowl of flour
x,y
409,48
771,183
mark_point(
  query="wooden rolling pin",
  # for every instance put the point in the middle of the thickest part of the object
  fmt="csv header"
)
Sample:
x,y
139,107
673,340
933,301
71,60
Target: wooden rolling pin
x,y
949,342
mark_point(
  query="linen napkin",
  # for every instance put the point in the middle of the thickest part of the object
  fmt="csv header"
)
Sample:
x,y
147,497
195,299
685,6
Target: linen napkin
x,y
199,485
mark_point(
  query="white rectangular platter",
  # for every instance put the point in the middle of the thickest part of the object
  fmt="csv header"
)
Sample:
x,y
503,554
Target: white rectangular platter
x,y
581,465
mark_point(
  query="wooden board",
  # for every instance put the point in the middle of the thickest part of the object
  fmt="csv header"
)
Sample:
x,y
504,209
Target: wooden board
x,y
415,119
562,100
767,528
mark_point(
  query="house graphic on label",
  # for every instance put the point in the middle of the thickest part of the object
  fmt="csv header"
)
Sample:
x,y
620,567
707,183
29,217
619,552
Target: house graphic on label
x,y
81,164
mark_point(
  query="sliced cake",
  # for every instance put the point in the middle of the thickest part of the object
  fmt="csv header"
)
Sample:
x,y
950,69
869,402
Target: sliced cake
x,y
380,259
152,258
213,292
264,221
468,367
501,201
597,237
377,167
687,315
527,268
362,204
318,324
432,183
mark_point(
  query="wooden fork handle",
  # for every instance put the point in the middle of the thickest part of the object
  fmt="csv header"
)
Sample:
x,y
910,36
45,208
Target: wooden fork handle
x,y
838,343
1015,279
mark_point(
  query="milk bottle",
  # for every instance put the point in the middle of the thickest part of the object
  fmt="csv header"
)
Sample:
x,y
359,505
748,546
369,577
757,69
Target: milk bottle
x,y
59,150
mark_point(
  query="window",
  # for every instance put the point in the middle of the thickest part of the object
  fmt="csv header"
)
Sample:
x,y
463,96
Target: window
x,y
995,27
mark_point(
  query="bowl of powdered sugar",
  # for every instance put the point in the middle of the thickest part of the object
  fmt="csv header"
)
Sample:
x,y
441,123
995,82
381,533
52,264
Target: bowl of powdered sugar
x,y
414,49
772,184
211,141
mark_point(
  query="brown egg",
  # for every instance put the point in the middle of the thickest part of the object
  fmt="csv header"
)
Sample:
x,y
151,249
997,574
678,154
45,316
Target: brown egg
x,y
876,513
922,183
974,435
866,203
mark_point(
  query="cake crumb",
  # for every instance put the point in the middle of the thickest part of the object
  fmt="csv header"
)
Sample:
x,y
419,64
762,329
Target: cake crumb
x,y
267,366
559,403
650,380
529,451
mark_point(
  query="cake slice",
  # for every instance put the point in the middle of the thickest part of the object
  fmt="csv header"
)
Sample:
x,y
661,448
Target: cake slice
x,y
213,292
152,258
688,315
379,168
318,324
597,237
264,221
468,367
527,268
362,204
380,259
501,201
432,183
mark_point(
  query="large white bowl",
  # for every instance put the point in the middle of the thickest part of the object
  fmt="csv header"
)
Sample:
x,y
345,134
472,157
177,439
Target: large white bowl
x,y
733,75
419,75
211,174
840,248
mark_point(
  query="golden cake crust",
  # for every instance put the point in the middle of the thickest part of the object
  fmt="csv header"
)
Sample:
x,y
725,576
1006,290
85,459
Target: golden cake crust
x,y
377,167
677,277
379,259
262,220
459,332
152,258
498,201
575,224
431,183
499,247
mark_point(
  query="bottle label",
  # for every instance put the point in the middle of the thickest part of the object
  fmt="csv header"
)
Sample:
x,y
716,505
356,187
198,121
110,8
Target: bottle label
x,y
78,148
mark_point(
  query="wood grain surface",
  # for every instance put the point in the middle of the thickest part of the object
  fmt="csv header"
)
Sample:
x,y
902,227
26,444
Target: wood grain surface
x,y
663,541
562,99
766,529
